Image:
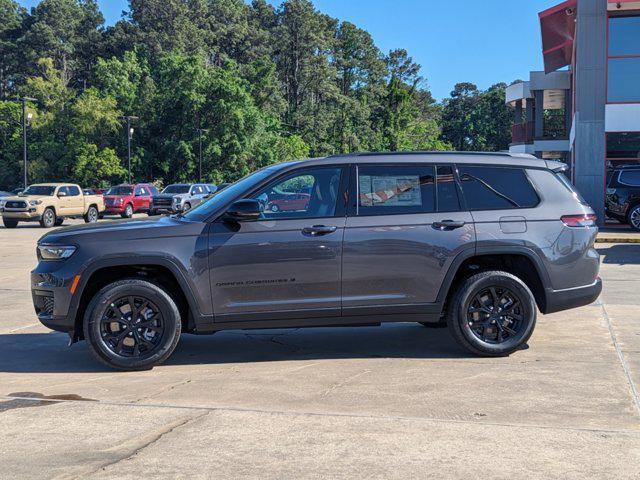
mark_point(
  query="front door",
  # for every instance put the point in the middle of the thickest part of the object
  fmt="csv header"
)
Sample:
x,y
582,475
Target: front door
x,y
404,228
288,263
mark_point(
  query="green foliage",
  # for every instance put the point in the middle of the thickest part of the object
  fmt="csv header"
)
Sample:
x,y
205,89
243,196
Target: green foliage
x,y
257,84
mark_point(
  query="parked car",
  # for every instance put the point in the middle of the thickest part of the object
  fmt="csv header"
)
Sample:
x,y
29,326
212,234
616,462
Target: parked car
x,y
50,204
179,197
285,201
125,200
623,195
3,196
470,239
94,191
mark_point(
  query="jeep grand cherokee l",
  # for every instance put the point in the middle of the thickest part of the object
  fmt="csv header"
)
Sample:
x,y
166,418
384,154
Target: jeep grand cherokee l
x,y
479,241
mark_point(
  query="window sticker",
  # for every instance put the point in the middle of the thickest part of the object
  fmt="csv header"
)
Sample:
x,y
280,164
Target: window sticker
x,y
390,191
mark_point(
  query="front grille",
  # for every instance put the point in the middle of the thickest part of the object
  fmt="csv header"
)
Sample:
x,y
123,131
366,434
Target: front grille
x,y
44,304
162,202
14,204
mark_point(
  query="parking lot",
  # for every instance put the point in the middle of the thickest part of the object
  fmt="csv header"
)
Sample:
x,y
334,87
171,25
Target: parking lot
x,y
398,401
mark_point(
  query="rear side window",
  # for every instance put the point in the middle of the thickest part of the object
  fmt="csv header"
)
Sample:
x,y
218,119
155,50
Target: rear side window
x,y
392,190
496,188
448,200
73,191
630,177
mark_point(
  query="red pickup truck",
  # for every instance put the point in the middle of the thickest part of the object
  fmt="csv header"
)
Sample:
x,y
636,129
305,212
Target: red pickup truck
x,y
125,200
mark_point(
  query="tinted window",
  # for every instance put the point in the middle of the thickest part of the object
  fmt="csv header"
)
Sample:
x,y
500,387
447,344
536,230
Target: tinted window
x,y
73,191
624,36
119,191
623,145
630,177
624,79
64,191
140,191
389,190
490,188
280,199
447,191
176,189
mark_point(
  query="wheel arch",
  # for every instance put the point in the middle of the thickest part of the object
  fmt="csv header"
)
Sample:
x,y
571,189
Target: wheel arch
x,y
519,261
159,270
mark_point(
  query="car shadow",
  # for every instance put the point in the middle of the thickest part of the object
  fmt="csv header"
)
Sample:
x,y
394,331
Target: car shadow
x,y
621,254
48,352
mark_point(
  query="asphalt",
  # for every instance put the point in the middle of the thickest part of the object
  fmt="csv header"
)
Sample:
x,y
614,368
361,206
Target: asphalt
x,y
398,401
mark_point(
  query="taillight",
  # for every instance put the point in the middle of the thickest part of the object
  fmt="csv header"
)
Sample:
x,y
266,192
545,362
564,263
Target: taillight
x,y
579,220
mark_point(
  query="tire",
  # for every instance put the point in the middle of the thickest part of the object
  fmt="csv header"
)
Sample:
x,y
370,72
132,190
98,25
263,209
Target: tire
x,y
9,223
187,207
633,218
505,286
59,221
128,211
108,339
92,215
48,219
152,213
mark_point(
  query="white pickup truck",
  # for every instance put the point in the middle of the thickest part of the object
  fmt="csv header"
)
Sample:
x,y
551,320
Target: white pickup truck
x,y
50,204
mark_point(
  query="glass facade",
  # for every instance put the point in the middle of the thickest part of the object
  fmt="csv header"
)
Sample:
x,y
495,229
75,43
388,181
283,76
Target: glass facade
x,y
623,82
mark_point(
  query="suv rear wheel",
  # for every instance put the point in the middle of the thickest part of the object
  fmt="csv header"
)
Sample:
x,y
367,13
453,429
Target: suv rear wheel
x,y
132,325
634,217
492,314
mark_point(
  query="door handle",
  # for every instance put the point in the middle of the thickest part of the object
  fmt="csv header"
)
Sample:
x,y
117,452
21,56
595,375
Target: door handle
x,y
447,225
318,230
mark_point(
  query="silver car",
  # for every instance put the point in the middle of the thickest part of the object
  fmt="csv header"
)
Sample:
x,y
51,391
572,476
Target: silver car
x,y
179,197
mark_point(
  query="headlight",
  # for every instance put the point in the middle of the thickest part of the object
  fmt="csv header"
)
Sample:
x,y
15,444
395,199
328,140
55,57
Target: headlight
x,y
33,203
177,200
55,252
119,201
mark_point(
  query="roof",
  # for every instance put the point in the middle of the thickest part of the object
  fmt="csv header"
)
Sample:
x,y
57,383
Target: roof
x,y
51,184
558,28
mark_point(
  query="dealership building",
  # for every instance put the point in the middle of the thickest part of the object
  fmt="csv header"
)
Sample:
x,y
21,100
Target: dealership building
x,y
584,109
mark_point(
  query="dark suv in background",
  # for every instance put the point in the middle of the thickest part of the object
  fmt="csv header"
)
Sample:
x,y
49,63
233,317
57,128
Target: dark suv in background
x,y
479,241
623,195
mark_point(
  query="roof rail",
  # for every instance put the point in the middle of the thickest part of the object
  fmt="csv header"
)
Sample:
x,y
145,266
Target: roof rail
x,y
376,154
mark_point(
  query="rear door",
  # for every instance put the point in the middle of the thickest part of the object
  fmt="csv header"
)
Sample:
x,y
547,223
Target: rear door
x,y
75,200
404,228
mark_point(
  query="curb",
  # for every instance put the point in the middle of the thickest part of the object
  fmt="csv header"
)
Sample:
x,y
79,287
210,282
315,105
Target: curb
x,y
617,240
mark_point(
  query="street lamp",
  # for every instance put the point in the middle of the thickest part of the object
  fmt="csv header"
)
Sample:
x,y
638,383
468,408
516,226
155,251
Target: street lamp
x,y
200,132
129,137
24,101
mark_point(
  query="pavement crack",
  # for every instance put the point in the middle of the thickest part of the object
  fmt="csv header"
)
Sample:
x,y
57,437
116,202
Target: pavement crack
x,y
133,447
623,361
341,384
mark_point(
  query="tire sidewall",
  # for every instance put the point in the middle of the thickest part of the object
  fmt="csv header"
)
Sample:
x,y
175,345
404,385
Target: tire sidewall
x,y
526,299
92,218
44,218
138,288
635,208
128,211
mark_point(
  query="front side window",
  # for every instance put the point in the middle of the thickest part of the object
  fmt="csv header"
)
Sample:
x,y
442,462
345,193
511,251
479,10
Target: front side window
x,y
308,194
496,188
391,190
140,192
623,84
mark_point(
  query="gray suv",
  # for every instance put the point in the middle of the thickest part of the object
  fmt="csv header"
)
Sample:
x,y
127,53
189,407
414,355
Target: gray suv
x,y
180,197
480,242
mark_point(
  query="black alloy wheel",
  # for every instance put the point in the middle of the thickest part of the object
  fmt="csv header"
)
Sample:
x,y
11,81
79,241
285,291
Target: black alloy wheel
x,y
495,314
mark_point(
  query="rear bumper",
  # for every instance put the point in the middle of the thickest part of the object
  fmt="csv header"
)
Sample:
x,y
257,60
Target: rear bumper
x,y
558,300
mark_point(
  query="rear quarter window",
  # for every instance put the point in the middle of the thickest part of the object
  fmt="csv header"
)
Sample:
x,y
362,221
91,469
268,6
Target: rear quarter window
x,y
630,177
496,188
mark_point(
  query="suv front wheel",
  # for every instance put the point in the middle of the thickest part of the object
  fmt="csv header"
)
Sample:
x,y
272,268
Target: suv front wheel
x,y
492,314
132,325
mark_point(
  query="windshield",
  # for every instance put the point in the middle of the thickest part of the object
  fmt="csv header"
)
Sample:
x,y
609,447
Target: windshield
x,y
233,191
120,191
39,190
176,189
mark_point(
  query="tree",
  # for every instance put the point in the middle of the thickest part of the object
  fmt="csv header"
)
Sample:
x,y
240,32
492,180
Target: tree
x,y
12,16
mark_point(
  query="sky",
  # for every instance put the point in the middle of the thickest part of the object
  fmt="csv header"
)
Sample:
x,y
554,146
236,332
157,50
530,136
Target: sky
x,y
478,41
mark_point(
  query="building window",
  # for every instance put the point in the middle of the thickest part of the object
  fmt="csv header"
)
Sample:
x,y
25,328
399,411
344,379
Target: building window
x,y
623,146
624,60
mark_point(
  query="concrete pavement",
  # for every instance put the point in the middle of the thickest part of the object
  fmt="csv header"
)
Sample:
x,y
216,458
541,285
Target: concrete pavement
x,y
398,401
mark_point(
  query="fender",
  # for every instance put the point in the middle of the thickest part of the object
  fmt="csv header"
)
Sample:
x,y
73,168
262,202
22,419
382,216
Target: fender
x,y
160,260
490,250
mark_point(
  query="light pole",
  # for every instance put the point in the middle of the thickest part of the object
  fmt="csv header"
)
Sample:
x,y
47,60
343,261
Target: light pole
x,y
24,101
200,132
129,118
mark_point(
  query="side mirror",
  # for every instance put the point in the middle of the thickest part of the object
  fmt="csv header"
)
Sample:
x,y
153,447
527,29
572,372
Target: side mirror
x,y
62,194
245,210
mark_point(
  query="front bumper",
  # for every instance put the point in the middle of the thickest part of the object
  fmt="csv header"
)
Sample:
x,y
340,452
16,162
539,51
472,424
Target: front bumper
x,y
558,300
51,295
30,214
113,209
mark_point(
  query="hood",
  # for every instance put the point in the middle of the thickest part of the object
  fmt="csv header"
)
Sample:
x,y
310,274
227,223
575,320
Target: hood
x,y
124,230
166,195
25,198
